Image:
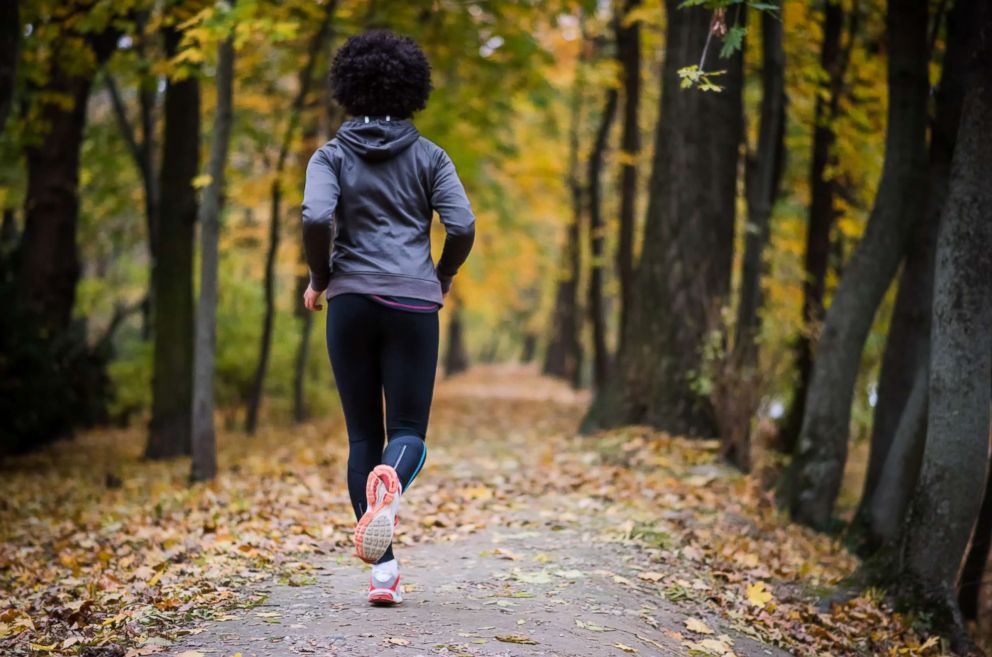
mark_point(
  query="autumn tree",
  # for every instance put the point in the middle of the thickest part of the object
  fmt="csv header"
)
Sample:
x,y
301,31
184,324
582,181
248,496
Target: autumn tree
x,y
627,33
685,265
204,450
821,452
49,257
947,500
900,417
54,379
563,357
835,55
597,256
169,432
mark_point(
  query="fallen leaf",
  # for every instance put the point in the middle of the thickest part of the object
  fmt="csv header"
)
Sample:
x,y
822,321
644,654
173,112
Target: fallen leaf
x,y
592,627
716,645
757,595
158,575
515,638
624,647
396,641
698,626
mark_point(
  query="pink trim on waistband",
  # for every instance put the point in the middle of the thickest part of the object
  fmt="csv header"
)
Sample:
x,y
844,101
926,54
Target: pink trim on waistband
x,y
430,306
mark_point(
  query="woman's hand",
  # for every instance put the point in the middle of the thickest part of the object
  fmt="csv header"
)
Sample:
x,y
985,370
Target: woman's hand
x,y
311,299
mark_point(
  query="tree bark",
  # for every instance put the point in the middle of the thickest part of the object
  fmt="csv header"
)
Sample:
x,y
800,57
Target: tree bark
x,y
8,231
628,38
597,319
456,356
563,357
889,501
907,348
314,49
10,47
821,453
685,265
300,412
764,174
945,505
172,272
49,257
204,466
834,58
975,564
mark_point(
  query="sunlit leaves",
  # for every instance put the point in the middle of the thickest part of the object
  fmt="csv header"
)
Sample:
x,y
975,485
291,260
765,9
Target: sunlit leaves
x,y
691,76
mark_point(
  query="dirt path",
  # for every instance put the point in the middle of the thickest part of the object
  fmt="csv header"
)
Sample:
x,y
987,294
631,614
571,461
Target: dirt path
x,y
522,568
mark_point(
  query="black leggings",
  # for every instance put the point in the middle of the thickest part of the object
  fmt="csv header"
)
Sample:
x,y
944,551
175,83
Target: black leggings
x,y
378,350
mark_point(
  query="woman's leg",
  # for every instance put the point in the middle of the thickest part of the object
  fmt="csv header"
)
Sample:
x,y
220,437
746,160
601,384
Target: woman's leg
x,y
408,362
353,344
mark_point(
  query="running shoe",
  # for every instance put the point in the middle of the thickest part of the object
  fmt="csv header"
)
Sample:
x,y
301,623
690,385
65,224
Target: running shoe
x,y
384,585
374,531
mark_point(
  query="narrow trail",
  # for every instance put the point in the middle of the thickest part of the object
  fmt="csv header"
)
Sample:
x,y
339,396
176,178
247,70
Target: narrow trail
x,y
533,560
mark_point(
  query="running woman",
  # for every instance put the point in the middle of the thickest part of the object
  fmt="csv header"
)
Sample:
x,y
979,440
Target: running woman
x,y
371,192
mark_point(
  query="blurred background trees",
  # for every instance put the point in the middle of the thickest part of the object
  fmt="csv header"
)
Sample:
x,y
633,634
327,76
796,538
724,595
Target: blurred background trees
x,y
796,262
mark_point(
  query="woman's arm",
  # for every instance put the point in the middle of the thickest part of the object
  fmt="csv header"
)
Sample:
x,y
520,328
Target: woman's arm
x,y
449,199
320,198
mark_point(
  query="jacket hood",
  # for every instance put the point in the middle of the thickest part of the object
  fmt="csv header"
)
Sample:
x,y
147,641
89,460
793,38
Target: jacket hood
x,y
378,139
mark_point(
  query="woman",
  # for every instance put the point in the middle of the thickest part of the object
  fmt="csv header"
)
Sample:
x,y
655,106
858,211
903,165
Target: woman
x,y
372,191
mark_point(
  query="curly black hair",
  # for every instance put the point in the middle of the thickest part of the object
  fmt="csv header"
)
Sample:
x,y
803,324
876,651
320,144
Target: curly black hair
x,y
379,73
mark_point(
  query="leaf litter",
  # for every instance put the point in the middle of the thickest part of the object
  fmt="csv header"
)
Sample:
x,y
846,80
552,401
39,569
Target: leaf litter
x,y
129,567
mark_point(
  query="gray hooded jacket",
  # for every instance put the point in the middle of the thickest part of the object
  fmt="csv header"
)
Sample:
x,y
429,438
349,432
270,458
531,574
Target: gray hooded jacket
x,y
372,191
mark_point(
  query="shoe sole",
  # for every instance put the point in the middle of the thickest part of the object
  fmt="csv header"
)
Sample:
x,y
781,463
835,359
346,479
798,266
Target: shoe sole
x,y
384,598
374,532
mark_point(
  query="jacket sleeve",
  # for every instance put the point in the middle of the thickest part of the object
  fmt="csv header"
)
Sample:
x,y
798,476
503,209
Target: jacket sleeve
x,y
452,205
320,198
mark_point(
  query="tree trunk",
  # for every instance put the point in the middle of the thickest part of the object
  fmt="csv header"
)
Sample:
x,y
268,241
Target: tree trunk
x,y
172,273
973,572
764,174
204,465
601,355
529,347
907,348
456,356
314,49
685,265
945,505
563,358
821,453
628,37
10,46
890,499
300,412
834,59
8,231
49,258
268,317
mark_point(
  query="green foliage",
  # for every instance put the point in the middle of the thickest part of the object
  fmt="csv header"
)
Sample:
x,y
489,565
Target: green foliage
x,y
733,42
